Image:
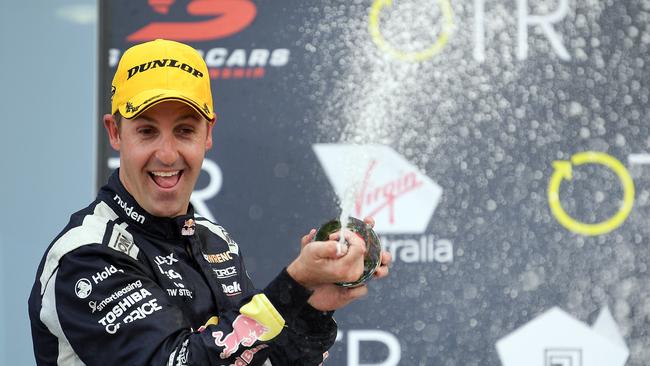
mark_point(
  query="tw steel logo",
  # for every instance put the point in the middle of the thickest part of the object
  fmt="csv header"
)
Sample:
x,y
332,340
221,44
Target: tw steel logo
x,y
227,18
389,188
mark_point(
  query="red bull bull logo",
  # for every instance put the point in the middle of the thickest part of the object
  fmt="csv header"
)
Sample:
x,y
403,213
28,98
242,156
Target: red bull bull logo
x,y
245,331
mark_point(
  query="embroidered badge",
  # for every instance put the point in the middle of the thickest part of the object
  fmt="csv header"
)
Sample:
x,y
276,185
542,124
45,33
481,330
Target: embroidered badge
x,y
188,227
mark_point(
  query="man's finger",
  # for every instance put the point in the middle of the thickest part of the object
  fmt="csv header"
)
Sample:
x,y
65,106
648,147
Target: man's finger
x,y
385,261
369,221
355,239
354,293
381,272
308,238
327,249
386,258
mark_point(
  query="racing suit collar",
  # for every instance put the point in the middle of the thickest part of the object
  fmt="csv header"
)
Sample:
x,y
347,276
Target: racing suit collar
x,y
128,210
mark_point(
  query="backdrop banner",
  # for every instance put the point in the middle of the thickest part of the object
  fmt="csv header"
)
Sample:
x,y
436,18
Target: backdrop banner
x,y
500,146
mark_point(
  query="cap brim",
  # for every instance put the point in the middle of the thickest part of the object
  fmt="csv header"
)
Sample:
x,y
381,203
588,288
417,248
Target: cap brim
x,y
147,99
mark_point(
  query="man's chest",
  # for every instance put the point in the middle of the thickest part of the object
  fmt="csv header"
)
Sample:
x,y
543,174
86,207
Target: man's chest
x,y
202,278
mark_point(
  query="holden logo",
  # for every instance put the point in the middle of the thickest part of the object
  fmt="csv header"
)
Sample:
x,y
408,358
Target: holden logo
x,y
386,186
83,288
557,339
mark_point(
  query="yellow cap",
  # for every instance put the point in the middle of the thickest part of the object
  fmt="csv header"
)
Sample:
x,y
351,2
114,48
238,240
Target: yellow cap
x,y
157,71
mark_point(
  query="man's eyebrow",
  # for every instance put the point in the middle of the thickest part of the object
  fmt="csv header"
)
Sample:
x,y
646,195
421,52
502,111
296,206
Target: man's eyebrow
x,y
183,117
193,116
146,118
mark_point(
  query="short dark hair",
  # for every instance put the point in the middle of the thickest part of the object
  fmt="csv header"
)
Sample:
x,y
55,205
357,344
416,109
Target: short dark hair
x,y
118,120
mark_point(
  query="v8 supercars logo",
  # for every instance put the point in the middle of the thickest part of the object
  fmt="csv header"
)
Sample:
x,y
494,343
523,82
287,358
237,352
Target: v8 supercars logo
x,y
227,17
205,21
392,190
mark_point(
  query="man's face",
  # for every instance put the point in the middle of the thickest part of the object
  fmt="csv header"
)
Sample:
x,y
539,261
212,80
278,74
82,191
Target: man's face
x,y
161,152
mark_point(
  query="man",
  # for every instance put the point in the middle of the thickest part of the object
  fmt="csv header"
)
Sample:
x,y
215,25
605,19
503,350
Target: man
x,y
137,278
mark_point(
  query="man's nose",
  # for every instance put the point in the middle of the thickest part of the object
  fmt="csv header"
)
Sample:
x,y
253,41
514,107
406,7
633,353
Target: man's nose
x,y
167,151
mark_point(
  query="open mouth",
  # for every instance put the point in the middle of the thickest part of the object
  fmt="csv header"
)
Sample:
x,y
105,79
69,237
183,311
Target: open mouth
x,y
166,180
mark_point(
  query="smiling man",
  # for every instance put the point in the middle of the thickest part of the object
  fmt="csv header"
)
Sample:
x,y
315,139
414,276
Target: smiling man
x,y
162,151
136,278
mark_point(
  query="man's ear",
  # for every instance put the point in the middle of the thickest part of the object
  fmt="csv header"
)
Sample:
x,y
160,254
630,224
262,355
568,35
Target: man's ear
x,y
112,130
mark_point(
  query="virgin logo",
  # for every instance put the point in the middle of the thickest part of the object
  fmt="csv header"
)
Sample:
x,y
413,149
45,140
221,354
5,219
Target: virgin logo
x,y
386,186
371,201
227,17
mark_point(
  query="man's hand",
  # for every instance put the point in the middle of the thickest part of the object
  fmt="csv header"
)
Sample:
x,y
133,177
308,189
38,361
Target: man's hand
x,y
328,296
386,258
321,263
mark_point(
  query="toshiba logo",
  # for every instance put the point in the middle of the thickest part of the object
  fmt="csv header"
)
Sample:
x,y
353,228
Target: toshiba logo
x,y
389,188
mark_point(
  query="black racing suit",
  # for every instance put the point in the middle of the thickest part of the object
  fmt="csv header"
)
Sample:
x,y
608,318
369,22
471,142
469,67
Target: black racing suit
x,y
119,286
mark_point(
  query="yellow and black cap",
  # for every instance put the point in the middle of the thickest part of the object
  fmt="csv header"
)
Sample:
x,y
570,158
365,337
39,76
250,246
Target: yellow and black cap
x,y
157,71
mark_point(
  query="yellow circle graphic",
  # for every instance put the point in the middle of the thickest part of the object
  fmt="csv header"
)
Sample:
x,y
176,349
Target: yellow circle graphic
x,y
563,170
411,56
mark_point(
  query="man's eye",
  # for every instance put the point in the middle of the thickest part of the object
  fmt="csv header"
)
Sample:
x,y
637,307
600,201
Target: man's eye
x,y
146,131
186,131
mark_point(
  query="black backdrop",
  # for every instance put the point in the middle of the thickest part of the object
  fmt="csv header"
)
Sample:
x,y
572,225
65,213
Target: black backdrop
x,y
485,129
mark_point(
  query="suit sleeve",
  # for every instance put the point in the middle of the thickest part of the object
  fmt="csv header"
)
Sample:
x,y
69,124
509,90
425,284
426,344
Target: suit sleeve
x,y
112,312
308,333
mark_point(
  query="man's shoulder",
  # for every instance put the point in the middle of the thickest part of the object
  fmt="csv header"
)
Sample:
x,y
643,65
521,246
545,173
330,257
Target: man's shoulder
x,y
215,228
95,225
86,226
